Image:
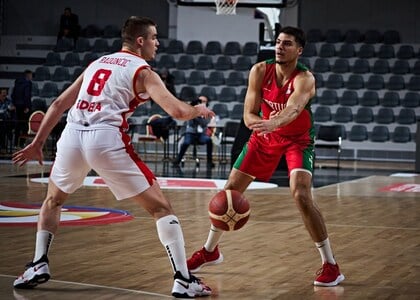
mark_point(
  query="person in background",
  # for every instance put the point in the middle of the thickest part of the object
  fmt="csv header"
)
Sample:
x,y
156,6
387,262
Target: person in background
x,y
21,99
7,110
69,25
196,133
95,137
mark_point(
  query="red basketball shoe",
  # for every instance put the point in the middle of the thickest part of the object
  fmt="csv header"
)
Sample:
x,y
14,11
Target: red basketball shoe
x,y
328,275
203,258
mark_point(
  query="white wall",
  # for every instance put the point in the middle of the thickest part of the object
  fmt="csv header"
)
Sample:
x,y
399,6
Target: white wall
x,y
202,23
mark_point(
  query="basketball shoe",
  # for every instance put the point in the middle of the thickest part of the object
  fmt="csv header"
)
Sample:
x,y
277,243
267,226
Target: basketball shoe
x,y
35,273
189,288
203,258
328,275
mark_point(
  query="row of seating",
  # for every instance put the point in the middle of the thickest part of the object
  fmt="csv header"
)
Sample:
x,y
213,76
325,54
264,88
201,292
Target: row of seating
x,y
87,45
384,51
363,66
203,62
384,115
371,36
194,47
370,82
367,98
379,133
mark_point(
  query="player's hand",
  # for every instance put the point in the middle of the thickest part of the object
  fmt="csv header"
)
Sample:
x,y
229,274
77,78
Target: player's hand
x,y
263,126
30,152
204,111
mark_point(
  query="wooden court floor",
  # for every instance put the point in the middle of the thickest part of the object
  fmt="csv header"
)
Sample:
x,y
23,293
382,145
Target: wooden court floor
x,y
375,236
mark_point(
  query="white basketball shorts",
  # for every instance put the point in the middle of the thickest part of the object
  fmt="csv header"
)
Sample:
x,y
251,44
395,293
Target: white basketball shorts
x,y
108,152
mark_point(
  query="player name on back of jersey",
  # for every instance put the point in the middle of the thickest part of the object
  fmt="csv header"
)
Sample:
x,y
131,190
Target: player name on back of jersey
x,y
114,61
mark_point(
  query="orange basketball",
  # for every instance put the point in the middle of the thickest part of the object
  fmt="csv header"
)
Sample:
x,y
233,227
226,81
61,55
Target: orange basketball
x,y
229,210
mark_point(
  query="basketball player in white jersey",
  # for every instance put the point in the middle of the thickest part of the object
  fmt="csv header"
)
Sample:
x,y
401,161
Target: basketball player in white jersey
x,y
95,137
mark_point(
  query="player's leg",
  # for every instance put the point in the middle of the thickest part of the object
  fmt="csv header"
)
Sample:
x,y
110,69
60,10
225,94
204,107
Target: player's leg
x,y
300,163
37,271
171,236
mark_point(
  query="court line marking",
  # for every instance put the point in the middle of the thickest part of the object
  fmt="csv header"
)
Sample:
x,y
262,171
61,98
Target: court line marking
x,y
100,286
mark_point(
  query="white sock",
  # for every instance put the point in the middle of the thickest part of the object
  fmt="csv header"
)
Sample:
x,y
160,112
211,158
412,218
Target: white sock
x,y
324,249
44,239
171,237
213,239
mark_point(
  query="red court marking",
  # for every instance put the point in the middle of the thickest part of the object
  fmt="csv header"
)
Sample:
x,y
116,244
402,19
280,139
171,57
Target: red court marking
x,y
402,187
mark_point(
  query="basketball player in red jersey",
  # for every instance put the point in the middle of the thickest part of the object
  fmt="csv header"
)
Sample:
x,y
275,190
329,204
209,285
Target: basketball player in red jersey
x,y
95,137
277,109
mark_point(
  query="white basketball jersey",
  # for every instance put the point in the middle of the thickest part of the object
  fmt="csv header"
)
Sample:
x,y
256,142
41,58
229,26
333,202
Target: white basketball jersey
x,y
107,96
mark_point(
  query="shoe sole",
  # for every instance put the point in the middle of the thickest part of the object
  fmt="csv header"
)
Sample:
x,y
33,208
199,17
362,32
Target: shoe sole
x,y
214,262
38,279
339,279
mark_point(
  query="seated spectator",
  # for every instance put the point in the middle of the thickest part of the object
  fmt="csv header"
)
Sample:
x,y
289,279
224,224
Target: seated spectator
x,y
69,25
196,133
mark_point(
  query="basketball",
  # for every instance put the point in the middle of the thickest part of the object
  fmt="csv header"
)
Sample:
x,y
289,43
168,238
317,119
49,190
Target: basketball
x,y
229,210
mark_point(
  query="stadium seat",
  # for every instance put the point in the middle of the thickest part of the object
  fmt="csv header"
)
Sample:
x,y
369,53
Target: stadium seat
x,y
416,68
179,77
305,61
390,99
321,65
355,82
88,58
309,50
380,134
381,66
250,49
414,83
361,66
346,51
100,46
349,98
364,115
91,31
343,114
216,78
391,37
319,80
64,45
42,73
60,74
406,116
204,62
188,93
401,134
221,110
232,48
385,115
49,89
400,67
369,98
405,52
52,59
322,114
166,61
111,31
375,82
358,133
175,47
235,78
395,83
334,81
223,63
366,51
185,62
117,44
237,111
328,97
341,65
197,77
327,50
411,100
39,104
35,89
243,63
76,73
209,92
227,94
82,45
194,47
213,48
386,51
